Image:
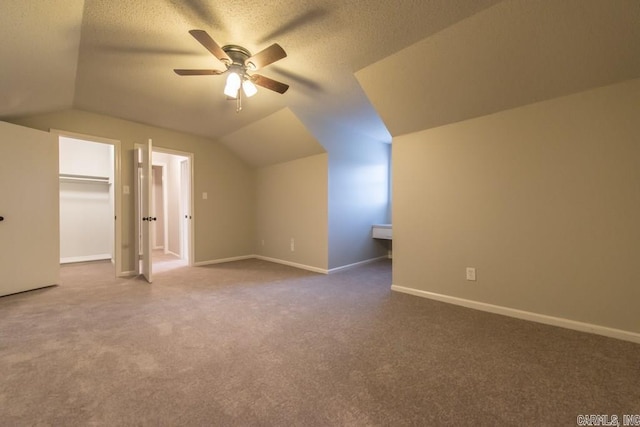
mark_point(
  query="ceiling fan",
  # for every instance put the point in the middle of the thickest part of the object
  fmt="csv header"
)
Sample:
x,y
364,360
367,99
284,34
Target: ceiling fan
x,y
239,63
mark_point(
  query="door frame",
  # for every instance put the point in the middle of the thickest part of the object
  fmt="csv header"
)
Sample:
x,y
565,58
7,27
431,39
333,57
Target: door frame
x,y
165,231
186,212
117,179
190,235
143,191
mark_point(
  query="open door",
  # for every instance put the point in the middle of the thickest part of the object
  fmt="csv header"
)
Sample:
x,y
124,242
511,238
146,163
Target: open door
x,y
143,208
185,212
29,209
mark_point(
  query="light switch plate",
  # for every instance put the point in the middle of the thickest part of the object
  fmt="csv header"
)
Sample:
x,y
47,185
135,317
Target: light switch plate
x,y
471,273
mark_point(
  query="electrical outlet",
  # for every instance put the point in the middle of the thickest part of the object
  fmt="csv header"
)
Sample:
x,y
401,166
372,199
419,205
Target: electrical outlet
x,y
471,273
293,245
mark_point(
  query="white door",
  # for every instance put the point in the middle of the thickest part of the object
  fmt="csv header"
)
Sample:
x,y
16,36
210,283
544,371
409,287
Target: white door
x,y
185,210
143,192
29,207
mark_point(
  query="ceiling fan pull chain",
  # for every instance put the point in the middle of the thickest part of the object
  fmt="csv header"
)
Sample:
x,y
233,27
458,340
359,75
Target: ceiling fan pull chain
x,y
239,101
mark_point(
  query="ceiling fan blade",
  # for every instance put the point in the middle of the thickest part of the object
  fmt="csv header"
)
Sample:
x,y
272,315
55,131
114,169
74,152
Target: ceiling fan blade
x,y
297,78
206,41
268,83
181,72
265,57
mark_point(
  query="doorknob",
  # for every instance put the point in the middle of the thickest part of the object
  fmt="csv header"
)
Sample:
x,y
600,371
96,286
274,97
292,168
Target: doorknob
x,y
153,218
1,218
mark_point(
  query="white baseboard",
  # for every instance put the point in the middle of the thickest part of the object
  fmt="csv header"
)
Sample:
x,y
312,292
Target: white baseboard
x,y
168,252
277,261
127,274
525,315
85,258
288,263
356,264
222,260
292,264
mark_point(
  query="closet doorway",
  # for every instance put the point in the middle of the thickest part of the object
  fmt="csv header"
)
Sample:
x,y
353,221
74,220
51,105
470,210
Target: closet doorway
x,y
171,208
89,199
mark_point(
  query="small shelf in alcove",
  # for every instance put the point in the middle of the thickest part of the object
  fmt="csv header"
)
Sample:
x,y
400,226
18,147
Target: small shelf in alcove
x,y
67,177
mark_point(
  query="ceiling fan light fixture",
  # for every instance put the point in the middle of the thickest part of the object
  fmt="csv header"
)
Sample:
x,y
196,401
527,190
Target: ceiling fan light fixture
x,y
249,88
233,85
239,62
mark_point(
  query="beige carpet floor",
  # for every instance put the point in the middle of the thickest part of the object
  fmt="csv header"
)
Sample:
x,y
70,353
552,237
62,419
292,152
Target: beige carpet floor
x,y
256,343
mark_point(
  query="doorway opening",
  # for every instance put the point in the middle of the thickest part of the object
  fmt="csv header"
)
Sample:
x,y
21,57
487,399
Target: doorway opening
x,y
89,199
169,197
171,209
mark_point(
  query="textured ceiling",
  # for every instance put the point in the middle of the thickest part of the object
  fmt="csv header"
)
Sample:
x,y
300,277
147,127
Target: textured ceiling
x,y
128,50
467,58
38,55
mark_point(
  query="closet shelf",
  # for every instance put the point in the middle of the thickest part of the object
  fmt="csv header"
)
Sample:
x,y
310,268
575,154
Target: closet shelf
x,y
64,177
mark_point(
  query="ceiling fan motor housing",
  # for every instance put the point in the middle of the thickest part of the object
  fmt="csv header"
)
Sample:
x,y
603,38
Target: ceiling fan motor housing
x,y
238,55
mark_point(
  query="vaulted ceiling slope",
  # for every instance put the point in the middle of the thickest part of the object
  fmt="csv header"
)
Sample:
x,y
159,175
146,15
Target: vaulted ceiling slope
x,y
513,54
466,58
38,55
122,65
277,138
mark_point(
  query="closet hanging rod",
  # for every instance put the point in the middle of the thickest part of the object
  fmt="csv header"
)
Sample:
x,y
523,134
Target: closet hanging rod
x,y
84,178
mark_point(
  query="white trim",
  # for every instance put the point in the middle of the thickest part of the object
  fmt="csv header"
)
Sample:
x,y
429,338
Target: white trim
x,y
130,273
289,263
168,252
357,264
84,136
222,260
190,158
117,182
172,152
165,209
85,258
525,315
263,258
293,264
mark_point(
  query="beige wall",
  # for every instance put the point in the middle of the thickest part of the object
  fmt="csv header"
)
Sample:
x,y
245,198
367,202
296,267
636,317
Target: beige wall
x,y
223,223
292,203
543,200
358,191
358,198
